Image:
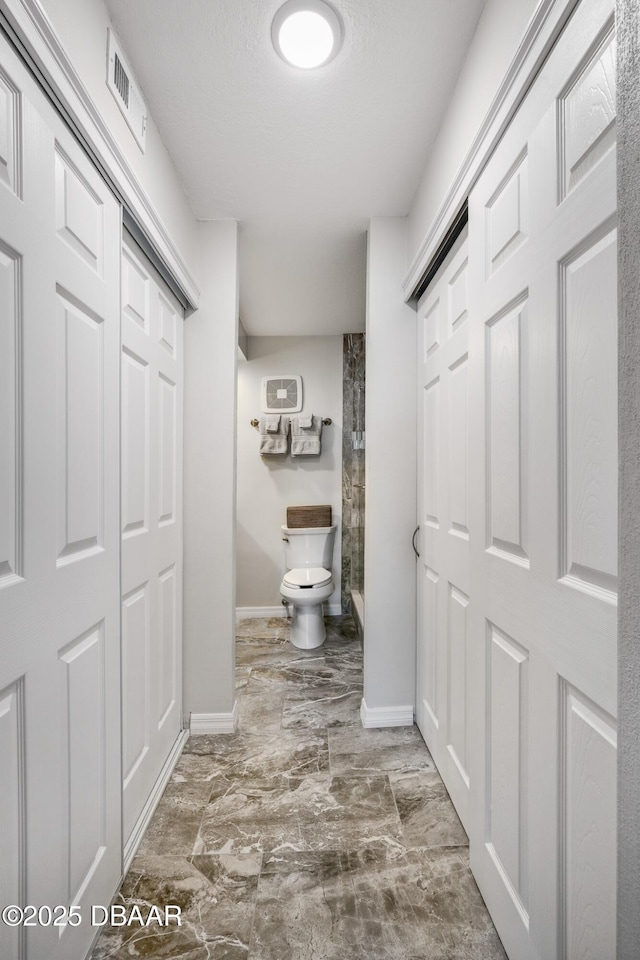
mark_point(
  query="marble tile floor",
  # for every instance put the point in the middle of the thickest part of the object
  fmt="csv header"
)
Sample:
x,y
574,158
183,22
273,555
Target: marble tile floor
x,y
303,836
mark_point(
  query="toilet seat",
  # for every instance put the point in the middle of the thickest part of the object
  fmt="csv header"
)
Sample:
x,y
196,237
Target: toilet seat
x,y
306,577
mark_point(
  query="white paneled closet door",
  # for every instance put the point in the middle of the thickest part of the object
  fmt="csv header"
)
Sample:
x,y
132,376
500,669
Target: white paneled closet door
x,y
152,389
60,800
543,518
443,588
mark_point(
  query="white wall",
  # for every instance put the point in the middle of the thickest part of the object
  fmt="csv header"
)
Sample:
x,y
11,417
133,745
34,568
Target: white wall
x,y
81,26
211,350
266,486
492,49
390,468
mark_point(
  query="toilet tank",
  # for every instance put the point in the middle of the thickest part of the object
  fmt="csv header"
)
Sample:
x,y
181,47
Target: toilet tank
x,y
308,546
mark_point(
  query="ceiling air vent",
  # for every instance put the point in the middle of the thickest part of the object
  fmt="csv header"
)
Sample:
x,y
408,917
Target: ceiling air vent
x,y
125,91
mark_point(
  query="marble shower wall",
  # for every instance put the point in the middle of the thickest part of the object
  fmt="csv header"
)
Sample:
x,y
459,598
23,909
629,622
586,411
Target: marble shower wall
x,y
353,479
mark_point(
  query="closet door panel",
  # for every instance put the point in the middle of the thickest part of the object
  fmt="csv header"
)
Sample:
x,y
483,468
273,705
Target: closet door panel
x,y
169,646
507,744
79,440
506,443
11,532
152,366
588,454
542,354
136,670
443,516
59,547
167,453
136,391
12,813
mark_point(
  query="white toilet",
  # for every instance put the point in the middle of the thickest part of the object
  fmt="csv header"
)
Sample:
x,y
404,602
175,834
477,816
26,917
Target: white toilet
x,y
308,582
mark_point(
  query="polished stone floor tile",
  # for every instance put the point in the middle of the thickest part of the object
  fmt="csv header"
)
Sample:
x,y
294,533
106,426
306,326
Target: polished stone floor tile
x,y
345,813
341,630
303,836
322,688
360,751
314,812
260,710
366,905
334,707
216,896
261,699
249,816
319,798
263,628
426,812
304,678
279,680
277,654
348,654
325,675
265,652
250,837
175,823
248,756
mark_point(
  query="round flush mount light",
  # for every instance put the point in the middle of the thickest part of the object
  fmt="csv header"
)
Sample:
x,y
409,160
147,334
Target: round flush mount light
x,y
307,33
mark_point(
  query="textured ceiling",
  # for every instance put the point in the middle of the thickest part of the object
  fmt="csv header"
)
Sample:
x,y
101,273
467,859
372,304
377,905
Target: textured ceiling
x,y
301,158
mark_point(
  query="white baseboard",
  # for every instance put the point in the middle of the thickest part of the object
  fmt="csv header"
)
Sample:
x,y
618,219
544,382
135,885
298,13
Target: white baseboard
x,y
374,717
214,722
149,808
246,613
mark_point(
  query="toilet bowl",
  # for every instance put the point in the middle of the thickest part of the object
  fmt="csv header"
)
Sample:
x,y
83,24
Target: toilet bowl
x,y
307,582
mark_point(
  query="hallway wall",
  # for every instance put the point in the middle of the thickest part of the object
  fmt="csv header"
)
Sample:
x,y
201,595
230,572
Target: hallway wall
x,y
82,29
211,350
266,486
492,49
390,468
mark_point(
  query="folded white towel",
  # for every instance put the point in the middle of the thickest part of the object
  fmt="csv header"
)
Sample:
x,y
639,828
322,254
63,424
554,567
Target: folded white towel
x,y
274,444
305,447
305,423
273,423
305,441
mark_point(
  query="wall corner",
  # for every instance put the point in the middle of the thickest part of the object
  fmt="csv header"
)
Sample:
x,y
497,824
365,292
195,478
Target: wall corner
x,y
390,469
211,357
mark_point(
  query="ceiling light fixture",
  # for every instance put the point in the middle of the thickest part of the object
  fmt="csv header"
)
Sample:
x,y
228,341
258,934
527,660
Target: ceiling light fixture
x,y
307,33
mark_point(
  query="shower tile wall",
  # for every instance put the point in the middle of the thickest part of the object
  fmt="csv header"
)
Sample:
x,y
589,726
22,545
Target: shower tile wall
x,y
353,491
